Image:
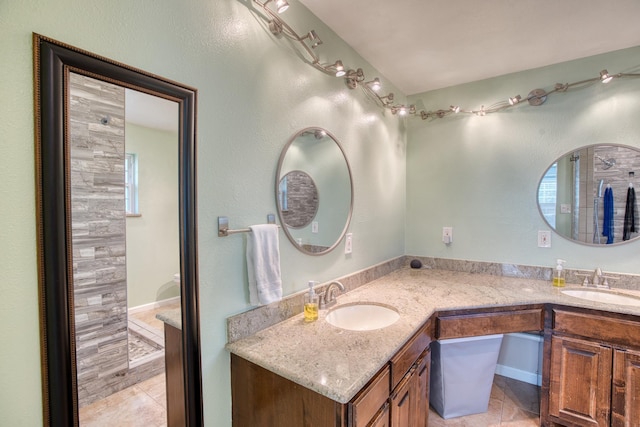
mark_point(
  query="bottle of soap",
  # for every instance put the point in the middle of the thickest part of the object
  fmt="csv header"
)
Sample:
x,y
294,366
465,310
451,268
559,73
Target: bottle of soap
x,y
559,273
311,304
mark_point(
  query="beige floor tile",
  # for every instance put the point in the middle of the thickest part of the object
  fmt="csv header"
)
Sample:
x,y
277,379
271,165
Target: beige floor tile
x,y
156,388
130,407
512,403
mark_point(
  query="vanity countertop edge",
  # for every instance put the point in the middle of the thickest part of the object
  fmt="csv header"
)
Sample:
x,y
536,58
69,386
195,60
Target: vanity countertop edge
x,y
337,363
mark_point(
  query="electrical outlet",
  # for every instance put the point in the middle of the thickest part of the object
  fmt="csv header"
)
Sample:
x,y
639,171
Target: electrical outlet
x,y
447,235
314,227
544,238
348,243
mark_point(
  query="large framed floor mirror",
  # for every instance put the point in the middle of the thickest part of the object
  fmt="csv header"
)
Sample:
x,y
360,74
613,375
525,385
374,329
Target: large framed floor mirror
x,y
117,243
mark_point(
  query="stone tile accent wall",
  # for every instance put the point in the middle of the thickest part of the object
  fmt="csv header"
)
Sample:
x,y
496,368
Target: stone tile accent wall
x,y
302,199
98,234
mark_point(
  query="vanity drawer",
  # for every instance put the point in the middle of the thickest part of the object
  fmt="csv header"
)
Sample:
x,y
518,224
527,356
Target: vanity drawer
x,y
406,357
500,322
370,399
596,327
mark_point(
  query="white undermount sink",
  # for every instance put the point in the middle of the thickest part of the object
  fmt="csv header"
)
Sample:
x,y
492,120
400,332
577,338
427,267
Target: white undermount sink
x,y
604,296
362,316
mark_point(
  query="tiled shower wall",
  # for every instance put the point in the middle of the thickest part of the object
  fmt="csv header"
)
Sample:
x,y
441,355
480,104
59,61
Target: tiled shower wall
x,y
98,235
302,199
618,177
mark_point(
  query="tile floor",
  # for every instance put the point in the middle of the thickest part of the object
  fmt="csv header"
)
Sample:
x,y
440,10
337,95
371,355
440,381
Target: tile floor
x,y
512,403
143,404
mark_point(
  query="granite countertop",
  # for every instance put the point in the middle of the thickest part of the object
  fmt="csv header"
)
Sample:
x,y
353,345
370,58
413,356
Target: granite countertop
x,y
171,317
337,363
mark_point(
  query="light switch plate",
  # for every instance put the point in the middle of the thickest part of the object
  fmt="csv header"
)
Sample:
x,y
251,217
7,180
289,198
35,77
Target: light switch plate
x,y
348,243
544,238
447,235
314,227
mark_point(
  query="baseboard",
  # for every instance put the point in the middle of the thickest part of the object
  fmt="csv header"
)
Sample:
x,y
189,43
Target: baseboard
x,y
520,375
155,304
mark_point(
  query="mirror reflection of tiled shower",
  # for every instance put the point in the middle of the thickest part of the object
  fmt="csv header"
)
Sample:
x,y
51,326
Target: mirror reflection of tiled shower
x,y
115,348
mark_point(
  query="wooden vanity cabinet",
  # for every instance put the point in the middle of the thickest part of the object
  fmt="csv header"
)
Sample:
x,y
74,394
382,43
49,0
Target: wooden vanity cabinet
x,y
593,370
406,403
397,396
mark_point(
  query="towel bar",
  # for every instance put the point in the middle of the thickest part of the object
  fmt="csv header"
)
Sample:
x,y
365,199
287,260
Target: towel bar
x,y
223,226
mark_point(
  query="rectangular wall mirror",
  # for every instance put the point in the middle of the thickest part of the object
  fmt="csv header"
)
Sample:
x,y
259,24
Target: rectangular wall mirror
x,y
117,229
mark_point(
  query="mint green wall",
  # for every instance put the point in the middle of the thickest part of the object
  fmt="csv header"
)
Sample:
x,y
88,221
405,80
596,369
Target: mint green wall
x,y
480,174
153,244
254,93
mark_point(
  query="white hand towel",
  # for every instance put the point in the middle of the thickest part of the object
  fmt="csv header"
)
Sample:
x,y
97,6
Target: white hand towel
x,y
263,264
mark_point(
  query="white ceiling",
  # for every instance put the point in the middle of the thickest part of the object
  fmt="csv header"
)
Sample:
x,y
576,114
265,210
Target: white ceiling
x,y
151,111
422,45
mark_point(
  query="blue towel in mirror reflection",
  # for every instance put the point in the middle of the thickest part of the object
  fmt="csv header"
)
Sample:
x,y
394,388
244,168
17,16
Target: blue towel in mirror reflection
x,y
607,221
263,264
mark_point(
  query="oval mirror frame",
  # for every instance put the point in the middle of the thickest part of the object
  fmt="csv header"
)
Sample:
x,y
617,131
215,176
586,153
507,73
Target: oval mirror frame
x,y
571,193
53,62
341,166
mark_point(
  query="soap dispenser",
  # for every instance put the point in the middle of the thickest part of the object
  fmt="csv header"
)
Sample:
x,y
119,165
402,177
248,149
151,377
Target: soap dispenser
x,y
559,273
311,304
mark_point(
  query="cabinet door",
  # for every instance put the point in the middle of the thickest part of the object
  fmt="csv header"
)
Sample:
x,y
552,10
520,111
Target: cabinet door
x,y
382,418
625,405
580,382
422,410
403,401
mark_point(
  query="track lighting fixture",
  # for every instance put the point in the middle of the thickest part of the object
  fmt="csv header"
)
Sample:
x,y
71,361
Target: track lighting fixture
x,y
354,77
374,84
537,97
387,99
311,40
514,100
605,77
281,5
275,27
314,40
339,68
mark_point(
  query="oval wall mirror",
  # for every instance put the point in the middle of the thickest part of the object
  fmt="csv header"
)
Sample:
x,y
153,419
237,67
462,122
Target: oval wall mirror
x,y
314,191
588,195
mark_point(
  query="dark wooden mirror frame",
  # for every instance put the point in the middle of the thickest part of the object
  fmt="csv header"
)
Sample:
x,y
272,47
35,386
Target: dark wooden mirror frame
x,y
52,63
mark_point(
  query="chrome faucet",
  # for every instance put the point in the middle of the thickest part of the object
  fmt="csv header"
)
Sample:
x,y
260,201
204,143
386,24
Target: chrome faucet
x,y
329,293
598,279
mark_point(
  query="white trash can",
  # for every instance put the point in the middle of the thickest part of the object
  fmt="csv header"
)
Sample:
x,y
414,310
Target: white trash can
x,y
462,372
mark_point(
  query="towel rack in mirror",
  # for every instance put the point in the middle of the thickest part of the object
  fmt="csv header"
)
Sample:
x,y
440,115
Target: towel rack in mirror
x,y
223,226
